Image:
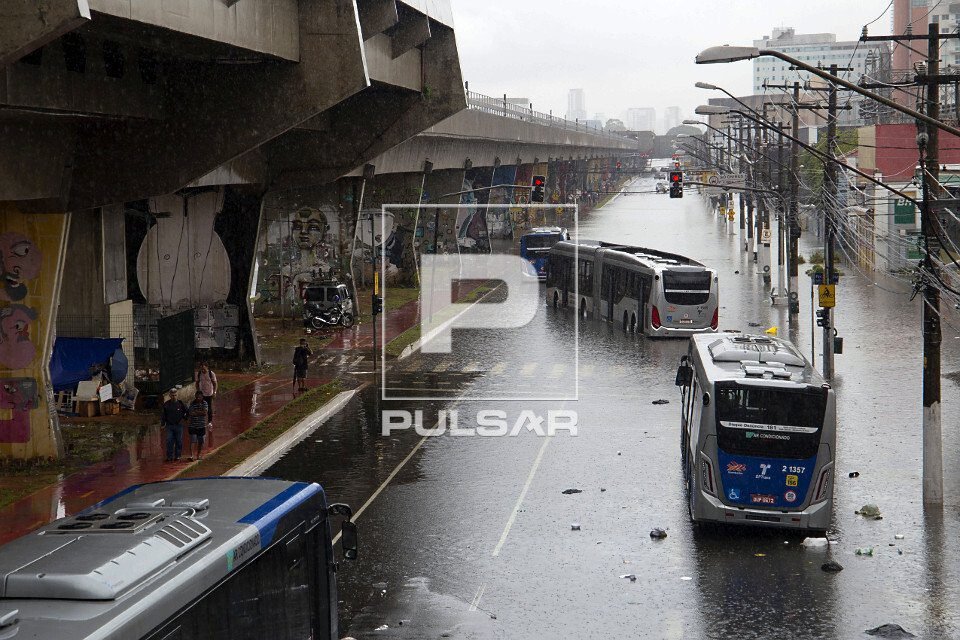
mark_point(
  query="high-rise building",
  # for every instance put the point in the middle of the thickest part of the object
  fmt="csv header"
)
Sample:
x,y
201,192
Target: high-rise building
x,y
854,59
576,105
641,119
915,16
671,118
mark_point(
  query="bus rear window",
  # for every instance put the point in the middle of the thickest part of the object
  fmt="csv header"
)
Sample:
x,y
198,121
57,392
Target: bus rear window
x,y
541,242
764,421
686,288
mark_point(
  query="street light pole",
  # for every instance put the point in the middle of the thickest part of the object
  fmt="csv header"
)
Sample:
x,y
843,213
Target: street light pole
x,y
831,188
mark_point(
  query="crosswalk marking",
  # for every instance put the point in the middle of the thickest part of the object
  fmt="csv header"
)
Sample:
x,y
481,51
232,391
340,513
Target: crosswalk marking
x,y
357,361
498,368
586,370
443,366
472,367
528,369
557,370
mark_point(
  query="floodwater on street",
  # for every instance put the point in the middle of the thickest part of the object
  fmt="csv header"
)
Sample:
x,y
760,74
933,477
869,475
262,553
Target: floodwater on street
x,y
472,537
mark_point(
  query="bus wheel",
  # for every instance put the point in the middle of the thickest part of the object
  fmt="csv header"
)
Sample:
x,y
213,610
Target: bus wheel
x,y
633,323
583,309
626,327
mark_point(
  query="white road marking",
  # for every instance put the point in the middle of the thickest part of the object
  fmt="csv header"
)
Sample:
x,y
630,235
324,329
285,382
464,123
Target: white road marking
x,y
557,370
440,368
528,369
587,370
523,494
498,368
476,598
357,361
383,485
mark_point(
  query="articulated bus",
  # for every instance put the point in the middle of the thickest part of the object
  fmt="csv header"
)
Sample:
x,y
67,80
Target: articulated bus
x,y
648,291
535,246
758,433
205,559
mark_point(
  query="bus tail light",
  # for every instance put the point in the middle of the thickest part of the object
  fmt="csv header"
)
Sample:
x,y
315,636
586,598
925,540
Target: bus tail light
x,y
823,485
706,476
716,319
655,317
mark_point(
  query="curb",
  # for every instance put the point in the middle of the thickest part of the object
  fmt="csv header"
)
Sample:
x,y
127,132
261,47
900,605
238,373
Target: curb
x,y
415,346
267,456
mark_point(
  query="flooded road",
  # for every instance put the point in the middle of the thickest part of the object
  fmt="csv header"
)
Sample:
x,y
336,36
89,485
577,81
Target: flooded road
x,y
472,536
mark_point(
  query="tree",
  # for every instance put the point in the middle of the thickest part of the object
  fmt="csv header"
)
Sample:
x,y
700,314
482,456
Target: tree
x,y
615,124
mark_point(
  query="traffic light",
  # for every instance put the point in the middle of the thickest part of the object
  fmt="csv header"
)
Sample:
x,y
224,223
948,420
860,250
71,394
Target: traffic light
x,y
539,184
676,184
619,166
377,304
823,317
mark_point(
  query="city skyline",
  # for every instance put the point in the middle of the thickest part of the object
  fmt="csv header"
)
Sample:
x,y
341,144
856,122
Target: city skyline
x,y
621,72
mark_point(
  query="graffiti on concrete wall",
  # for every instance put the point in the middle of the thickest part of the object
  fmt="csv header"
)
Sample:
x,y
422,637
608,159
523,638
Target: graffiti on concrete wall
x,y
18,397
30,248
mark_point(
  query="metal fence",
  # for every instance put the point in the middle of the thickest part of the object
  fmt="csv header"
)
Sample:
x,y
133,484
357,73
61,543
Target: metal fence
x,y
87,326
502,107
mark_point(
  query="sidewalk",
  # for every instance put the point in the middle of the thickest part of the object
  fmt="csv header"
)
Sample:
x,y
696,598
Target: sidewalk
x,y
141,461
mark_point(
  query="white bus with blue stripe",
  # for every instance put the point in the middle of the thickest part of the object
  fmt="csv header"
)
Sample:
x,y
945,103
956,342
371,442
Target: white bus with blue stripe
x,y
210,559
757,433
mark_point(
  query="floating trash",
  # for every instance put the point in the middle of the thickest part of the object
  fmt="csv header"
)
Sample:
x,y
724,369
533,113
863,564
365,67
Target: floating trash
x,y
899,536
832,567
660,401
814,543
658,534
870,511
568,492
854,474
890,631
629,576
865,551
575,526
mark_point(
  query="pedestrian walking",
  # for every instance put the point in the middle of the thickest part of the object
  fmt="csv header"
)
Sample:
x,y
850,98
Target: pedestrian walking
x,y
301,358
198,425
174,413
206,381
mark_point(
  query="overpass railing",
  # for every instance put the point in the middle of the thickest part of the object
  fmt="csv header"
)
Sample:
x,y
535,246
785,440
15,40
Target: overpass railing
x,y
507,109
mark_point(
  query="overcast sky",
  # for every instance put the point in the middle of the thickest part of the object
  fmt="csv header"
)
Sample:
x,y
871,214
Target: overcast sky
x,y
631,53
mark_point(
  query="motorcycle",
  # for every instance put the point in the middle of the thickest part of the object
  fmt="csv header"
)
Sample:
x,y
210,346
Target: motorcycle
x,y
332,317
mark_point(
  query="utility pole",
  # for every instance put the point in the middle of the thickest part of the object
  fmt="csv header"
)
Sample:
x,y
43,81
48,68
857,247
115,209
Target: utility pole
x,y
932,437
794,214
831,187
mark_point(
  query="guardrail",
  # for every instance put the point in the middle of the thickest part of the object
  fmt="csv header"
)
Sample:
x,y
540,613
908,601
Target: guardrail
x,y
503,107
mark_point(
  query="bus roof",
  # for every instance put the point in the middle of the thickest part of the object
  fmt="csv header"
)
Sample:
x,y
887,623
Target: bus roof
x,y
153,545
734,356
652,258
543,231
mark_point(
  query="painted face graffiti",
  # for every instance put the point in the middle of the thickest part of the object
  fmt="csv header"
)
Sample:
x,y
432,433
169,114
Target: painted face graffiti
x,y
16,349
20,260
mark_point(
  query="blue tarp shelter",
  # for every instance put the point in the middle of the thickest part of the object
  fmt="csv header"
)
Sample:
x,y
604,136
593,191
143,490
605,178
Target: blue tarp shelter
x,y
73,357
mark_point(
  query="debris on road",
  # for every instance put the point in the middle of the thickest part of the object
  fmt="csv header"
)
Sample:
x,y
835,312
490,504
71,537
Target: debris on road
x,y
660,401
854,474
382,627
755,324
629,576
568,492
602,489
658,534
898,536
870,511
864,551
686,578
575,526
889,631
832,567
618,453
814,543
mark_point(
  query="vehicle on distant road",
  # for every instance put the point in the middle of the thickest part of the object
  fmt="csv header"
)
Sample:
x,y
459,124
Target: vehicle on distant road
x,y
210,559
758,434
327,304
649,291
662,187
536,244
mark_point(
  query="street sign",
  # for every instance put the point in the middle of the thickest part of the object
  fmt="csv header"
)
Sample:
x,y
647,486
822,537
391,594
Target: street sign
x,y
816,278
828,295
765,236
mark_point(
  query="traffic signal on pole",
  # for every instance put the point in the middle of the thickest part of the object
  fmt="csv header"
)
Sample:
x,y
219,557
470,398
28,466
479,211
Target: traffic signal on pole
x,y
823,317
377,304
618,166
539,184
676,184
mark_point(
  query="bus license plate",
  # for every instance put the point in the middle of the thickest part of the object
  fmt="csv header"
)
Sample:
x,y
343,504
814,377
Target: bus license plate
x,y
686,321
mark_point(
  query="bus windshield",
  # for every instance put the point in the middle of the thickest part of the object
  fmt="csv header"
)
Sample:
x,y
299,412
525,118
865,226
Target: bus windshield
x,y
685,288
544,242
764,421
